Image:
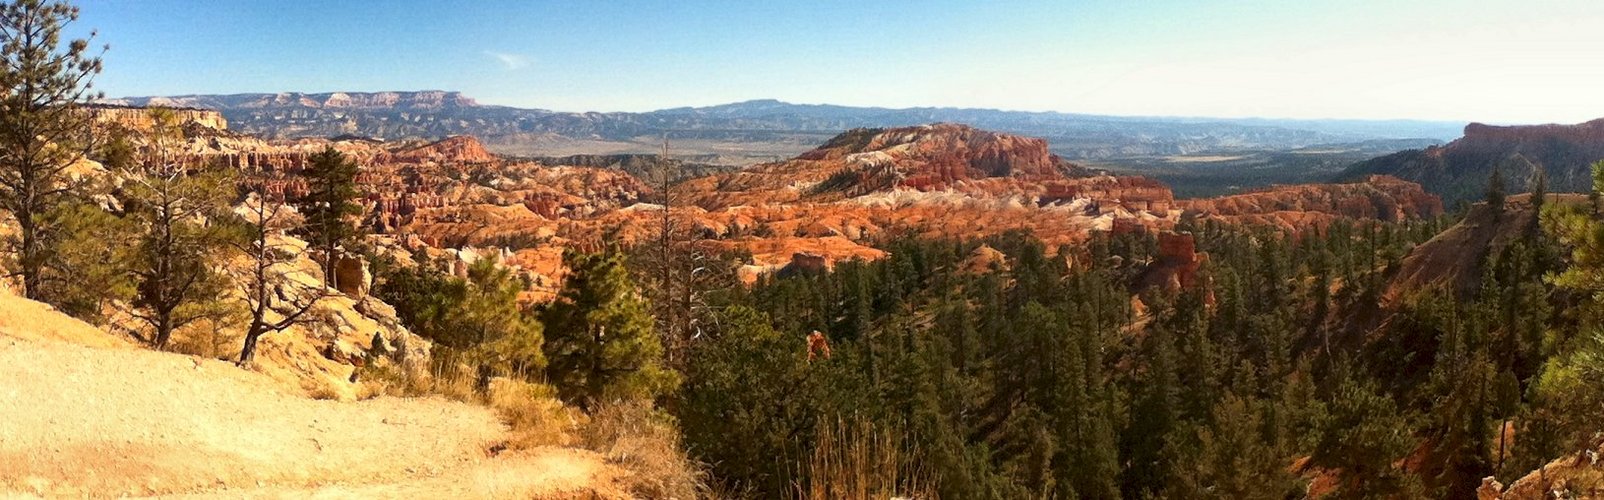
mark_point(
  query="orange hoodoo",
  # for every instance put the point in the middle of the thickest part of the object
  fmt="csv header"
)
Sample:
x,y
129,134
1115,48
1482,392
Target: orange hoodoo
x,y
818,346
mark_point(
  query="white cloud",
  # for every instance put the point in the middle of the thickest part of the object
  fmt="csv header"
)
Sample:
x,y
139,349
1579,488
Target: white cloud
x,y
511,62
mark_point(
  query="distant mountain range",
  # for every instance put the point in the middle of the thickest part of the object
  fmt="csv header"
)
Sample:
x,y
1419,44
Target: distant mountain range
x,y
757,130
1460,170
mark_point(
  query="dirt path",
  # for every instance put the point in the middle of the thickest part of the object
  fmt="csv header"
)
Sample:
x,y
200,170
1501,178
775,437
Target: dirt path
x,y
109,421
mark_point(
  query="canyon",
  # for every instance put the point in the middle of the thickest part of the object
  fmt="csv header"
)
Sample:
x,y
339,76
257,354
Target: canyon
x,y
455,197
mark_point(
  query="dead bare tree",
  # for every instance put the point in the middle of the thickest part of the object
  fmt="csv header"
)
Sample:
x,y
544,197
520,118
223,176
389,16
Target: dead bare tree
x,y
680,275
268,291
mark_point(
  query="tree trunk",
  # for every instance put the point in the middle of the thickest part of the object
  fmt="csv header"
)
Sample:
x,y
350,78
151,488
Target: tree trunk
x,y
164,330
248,352
29,253
329,261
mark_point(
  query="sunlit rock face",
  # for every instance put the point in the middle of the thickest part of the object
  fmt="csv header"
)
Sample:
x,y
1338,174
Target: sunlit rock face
x,y
1314,206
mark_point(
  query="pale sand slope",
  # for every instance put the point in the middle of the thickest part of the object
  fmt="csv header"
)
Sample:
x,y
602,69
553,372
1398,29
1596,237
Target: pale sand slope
x,y
114,420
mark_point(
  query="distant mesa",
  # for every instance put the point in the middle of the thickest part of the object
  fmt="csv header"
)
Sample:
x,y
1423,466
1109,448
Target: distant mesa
x,y
755,131
417,100
1459,170
139,118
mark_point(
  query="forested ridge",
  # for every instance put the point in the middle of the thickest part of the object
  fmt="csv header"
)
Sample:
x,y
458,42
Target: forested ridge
x,y
1294,359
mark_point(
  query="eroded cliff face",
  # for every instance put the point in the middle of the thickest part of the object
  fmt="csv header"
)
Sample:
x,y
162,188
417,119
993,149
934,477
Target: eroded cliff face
x,y
939,181
1459,170
418,100
1314,206
1451,259
141,119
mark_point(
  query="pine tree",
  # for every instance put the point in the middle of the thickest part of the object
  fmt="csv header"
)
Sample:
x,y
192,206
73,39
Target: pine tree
x,y
739,405
1539,189
1506,403
329,206
1154,415
1233,460
1495,191
1363,434
1092,460
90,258
44,83
489,328
1597,189
600,346
178,215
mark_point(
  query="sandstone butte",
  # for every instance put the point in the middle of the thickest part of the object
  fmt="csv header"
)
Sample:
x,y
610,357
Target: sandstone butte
x,y
454,198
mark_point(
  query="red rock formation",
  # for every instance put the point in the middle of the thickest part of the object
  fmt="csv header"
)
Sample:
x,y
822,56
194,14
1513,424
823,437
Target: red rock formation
x,y
457,150
1305,206
1176,266
808,261
864,161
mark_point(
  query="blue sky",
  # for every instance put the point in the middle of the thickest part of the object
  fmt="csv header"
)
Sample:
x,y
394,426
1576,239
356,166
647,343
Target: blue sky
x,y
1505,61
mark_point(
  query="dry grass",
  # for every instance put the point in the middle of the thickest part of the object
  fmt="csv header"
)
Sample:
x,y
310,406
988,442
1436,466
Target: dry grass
x,y
205,339
634,436
443,378
857,461
322,390
533,412
644,442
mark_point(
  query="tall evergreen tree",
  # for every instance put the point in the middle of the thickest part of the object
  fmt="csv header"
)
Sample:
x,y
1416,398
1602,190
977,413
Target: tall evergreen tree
x,y
1363,435
1233,460
600,345
44,81
329,206
491,329
1154,415
1539,189
1495,191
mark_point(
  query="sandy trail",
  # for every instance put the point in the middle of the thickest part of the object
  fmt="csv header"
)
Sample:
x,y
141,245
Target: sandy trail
x,y
114,421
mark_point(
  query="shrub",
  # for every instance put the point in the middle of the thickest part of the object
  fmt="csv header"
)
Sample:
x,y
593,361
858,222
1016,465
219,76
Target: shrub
x,y
533,412
645,442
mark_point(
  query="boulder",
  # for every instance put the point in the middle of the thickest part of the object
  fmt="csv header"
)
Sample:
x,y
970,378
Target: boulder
x,y
352,277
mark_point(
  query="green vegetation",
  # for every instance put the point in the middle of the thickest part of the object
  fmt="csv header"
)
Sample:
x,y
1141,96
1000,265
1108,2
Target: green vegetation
x,y
1043,381
600,341
329,207
45,81
1093,370
181,224
476,319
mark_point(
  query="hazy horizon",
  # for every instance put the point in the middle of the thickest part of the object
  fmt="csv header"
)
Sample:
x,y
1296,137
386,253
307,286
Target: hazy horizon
x,y
1487,61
